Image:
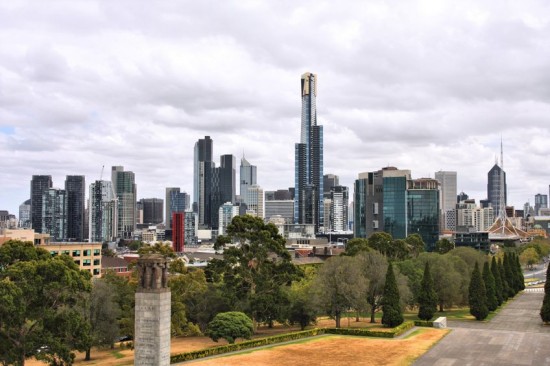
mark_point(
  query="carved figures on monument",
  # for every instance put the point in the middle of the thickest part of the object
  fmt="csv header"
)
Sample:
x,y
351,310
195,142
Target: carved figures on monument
x,y
153,273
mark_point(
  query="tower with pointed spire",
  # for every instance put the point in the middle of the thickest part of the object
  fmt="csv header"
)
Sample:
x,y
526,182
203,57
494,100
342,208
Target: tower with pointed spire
x,y
247,178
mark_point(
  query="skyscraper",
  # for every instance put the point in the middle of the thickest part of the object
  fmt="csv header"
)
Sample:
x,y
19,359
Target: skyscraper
x,y
176,201
39,184
339,196
447,181
54,214
308,182
102,212
541,201
152,210
25,214
75,188
125,190
329,181
247,177
203,168
423,210
494,186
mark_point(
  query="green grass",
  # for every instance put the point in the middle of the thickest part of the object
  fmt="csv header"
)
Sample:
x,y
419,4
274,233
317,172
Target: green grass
x,y
117,355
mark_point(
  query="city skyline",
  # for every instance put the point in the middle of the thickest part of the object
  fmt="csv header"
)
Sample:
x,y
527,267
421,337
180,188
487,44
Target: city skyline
x,y
424,87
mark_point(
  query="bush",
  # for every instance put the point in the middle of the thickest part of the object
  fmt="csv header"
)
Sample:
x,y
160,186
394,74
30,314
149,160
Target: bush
x,y
423,323
230,326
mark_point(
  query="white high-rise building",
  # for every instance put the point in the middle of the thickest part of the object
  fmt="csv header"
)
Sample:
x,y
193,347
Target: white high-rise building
x,y
339,208
226,213
255,201
447,181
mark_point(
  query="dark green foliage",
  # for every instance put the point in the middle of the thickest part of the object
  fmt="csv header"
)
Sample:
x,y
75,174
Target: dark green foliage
x,y
489,280
443,246
253,272
510,276
357,245
392,315
427,298
40,300
545,309
505,285
415,244
498,281
521,279
478,295
230,326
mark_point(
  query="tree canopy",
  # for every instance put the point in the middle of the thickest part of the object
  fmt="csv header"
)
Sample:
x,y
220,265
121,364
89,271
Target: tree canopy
x,y
39,296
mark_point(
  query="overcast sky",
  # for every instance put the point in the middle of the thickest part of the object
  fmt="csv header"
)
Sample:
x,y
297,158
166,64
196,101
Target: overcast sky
x,y
420,85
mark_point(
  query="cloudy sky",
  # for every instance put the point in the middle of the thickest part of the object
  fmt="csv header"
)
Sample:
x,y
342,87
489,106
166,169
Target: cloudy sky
x,y
420,85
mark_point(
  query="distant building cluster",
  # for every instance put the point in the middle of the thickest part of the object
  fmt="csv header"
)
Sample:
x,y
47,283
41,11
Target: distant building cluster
x,y
316,205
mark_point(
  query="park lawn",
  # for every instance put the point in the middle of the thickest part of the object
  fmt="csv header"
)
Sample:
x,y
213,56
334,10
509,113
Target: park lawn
x,y
337,350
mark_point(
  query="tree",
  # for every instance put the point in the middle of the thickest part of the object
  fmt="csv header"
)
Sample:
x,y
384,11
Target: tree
x,y
478,295
124,297
102,313
392,315
254,270
416,244
505,285
338,283
529,257
373,266
521,279
498,281
301,310
545,309
443,246
510,276
447,280
356,245
230,326
489,280
38,304
158,248
427,298
381,241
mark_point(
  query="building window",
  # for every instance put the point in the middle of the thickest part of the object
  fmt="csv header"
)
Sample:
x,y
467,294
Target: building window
x,y
97,252
67,252
76,253
96,271
96,262
87,262
77,262
53,253
87,252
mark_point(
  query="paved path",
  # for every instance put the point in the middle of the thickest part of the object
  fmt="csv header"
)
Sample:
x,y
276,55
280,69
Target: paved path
x,y
513,337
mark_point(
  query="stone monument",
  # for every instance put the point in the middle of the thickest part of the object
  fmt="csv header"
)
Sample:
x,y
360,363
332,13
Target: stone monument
x,y
152,326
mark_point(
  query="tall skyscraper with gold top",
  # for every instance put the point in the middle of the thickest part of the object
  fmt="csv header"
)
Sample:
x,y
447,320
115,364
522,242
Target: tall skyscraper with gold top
x,y
308,182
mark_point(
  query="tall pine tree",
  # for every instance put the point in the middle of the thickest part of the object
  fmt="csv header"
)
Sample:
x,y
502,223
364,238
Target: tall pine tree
x,y
391,308
427,298
478,295
545,309
505,285
521,279
492,302
498,281
510,277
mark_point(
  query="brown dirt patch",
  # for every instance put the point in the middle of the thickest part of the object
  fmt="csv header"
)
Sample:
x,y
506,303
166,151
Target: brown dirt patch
x,y
338,350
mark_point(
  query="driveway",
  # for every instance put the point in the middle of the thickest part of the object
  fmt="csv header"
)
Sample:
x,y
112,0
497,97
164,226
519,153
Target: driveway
x,y
515,336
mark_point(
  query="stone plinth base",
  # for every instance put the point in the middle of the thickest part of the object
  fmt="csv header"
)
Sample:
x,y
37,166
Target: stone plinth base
x,y
152,329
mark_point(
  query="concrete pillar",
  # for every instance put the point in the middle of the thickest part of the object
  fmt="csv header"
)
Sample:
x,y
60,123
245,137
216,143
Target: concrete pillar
x,y
152,312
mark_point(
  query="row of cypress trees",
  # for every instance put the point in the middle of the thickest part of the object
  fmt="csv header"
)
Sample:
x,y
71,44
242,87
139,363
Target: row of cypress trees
x,y
498,282
502,280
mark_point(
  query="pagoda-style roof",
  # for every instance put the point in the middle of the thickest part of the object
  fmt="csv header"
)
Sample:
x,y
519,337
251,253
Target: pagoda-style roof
x,y
505,230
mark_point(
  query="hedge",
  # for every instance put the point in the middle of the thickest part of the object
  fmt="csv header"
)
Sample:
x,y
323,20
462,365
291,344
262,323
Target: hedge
x,y
193,355
424,323
390,333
